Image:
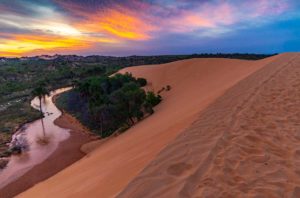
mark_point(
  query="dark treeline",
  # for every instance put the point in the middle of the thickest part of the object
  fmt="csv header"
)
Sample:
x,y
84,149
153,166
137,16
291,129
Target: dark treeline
x,y
111,103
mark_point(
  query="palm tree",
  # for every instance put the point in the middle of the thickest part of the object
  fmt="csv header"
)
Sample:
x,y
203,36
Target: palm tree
x,y
40,92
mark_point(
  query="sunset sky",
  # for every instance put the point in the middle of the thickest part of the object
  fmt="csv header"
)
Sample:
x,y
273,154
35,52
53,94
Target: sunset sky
x,y
148,27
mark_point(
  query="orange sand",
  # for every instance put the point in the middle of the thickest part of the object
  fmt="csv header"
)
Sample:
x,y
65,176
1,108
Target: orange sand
x,y
245,144
195,83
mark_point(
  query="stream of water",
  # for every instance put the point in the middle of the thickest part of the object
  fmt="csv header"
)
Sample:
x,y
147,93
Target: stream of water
x,y
42,137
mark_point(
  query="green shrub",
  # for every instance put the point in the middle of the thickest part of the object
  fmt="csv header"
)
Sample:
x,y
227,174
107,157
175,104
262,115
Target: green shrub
x,y
152,99
168,88
141,81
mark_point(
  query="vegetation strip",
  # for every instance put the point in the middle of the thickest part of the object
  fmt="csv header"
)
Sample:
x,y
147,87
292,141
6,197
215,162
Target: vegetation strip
x,y
109,104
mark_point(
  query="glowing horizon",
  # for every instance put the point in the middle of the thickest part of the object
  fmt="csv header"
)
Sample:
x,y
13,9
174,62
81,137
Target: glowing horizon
x,y
146,27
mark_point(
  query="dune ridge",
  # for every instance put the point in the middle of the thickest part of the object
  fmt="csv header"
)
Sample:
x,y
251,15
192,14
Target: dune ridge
x,y
245,144
194,85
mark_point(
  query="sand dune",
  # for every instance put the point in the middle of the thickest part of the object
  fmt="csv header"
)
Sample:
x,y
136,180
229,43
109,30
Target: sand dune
x,y
245,144
195,83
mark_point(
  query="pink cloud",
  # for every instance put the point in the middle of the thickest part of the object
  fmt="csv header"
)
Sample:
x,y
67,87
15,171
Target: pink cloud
x,y
260,8
159,17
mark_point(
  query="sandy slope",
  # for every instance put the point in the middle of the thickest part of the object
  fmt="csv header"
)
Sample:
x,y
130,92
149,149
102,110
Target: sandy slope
x,y
246,144
195,84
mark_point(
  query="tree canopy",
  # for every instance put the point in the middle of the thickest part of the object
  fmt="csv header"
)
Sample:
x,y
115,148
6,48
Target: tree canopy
x,y
117,101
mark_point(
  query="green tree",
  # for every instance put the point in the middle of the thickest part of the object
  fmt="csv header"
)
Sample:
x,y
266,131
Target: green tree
x,y
129,100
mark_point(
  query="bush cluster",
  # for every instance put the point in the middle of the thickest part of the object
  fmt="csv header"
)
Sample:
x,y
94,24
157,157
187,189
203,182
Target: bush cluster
x,y
116,102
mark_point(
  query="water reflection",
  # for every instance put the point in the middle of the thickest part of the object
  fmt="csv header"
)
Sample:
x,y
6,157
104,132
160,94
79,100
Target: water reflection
x,y
44,139
41,137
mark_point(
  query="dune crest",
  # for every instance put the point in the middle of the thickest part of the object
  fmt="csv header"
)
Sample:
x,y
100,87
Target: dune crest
x,y
245,144
195,84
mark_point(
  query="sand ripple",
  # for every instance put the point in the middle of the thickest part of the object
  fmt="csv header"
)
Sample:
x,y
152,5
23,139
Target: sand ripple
x,y
246,144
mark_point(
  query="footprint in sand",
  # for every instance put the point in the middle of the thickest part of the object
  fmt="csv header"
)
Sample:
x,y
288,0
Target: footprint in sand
x,y
178,169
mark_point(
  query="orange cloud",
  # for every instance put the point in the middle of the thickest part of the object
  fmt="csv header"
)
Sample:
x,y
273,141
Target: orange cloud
x,y
19,45
125,26
119,24
117,20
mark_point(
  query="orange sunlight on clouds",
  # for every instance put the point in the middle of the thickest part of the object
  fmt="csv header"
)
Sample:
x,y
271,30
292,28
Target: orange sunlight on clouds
x,y
122,25
20,44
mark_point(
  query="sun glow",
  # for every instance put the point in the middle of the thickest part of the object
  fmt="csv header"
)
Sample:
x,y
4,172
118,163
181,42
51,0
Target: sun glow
x,y
58,29
21,44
